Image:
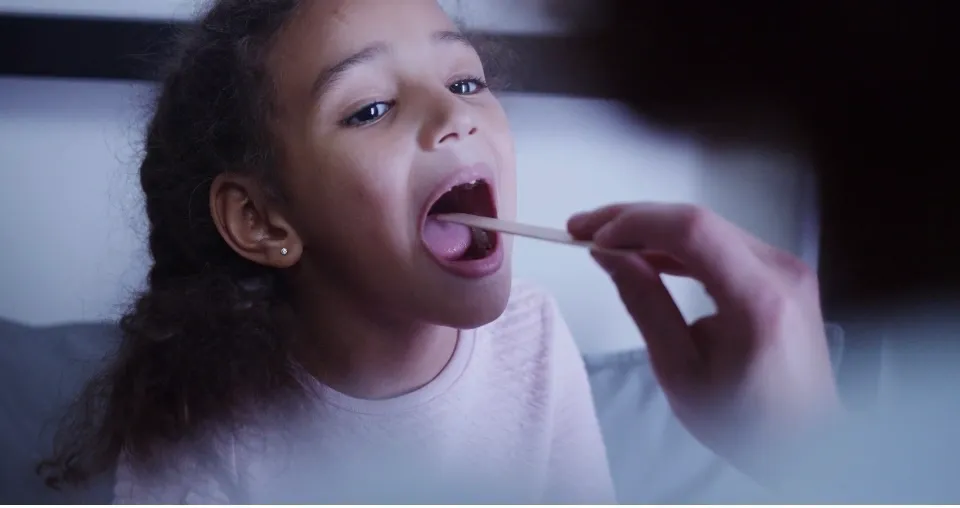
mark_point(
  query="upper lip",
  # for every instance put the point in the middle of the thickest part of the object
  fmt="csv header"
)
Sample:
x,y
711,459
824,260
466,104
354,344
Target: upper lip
x,y
460,177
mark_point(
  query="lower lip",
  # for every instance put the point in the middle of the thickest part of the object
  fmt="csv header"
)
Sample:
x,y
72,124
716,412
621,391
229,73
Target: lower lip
x,y
475,268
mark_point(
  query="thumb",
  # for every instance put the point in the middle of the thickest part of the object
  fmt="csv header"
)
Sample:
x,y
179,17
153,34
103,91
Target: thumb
x,y
656,314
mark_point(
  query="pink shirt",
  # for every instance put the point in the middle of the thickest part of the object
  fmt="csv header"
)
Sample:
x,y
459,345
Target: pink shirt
x,y
510,419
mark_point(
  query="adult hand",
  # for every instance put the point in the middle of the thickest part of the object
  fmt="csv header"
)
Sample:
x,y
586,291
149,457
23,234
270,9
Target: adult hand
x,y
758,369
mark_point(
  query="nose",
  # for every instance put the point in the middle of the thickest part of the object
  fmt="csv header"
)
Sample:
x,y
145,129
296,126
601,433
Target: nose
x,y
450,121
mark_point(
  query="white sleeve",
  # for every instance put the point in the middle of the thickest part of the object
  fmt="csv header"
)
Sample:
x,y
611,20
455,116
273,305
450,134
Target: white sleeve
x,y
578,469
186,478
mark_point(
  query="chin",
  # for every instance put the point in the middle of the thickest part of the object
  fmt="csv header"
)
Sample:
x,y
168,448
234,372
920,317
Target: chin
x,y
474,305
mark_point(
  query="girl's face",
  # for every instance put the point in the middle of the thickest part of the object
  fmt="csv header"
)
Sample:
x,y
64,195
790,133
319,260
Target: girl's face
x,y
383,108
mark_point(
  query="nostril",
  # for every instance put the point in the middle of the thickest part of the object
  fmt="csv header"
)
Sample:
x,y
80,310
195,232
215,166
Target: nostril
x,y
457,133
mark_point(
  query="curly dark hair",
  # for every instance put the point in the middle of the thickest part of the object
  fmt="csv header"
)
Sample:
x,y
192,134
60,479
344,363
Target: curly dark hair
x,y
205,340
207,343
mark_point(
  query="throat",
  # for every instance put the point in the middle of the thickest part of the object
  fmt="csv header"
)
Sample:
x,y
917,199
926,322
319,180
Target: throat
x,y
365,361
352,344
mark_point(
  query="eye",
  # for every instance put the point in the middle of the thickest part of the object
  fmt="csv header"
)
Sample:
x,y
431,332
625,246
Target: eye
x,y
468,86
367,114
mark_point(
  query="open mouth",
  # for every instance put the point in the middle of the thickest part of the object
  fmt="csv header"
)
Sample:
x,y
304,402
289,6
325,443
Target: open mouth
x,y
455,242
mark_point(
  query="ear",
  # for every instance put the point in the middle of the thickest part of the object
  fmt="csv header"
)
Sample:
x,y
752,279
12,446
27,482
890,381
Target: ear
x,y
251,223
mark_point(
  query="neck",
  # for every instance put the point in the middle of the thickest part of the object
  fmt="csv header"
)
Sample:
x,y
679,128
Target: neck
x,y
350,346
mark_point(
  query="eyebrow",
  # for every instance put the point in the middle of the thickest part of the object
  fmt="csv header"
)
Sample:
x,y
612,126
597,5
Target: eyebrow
x,y
331,74
451,36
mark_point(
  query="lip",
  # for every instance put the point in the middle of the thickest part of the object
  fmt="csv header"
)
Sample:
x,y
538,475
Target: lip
x,y
476,268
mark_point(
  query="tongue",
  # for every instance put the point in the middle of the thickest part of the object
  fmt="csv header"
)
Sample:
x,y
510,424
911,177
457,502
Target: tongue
x,y
446,240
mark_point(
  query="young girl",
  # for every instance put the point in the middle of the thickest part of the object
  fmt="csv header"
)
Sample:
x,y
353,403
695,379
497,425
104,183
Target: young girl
x,y
311,331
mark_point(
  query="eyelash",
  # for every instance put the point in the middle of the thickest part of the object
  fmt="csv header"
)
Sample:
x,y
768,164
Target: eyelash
x,y
374,108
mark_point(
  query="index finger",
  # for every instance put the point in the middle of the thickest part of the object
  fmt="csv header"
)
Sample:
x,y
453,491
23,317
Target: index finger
x,y
713,251
583,226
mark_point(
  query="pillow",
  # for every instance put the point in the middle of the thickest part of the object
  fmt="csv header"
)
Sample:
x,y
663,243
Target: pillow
x,y
41,371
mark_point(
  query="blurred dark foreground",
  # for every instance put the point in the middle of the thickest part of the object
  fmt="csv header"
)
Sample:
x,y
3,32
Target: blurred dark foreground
x,y
868,88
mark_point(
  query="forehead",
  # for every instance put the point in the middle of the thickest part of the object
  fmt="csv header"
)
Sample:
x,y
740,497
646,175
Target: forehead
x,y
328,30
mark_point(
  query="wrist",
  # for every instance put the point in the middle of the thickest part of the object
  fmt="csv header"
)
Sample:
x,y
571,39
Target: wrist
x,y
774,457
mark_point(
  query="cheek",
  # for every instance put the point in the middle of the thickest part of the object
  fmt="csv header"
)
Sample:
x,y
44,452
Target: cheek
x,y
501,139
356,201
507,207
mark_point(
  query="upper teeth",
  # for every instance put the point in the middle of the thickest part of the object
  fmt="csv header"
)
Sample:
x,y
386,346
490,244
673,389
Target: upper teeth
x,y
466,185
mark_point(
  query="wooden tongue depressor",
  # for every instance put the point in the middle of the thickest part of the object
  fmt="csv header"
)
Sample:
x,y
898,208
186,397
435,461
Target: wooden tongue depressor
x,y
526,230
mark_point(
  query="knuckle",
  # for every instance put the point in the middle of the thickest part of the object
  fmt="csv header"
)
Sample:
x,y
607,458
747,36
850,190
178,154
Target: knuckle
x,y
625,211
695,222
619,208
800,274
806,280
803,273
618,225
772,305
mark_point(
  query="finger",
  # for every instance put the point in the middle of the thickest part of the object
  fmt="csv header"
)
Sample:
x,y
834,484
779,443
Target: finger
x,y
665,264
653,309
584,225
712,250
